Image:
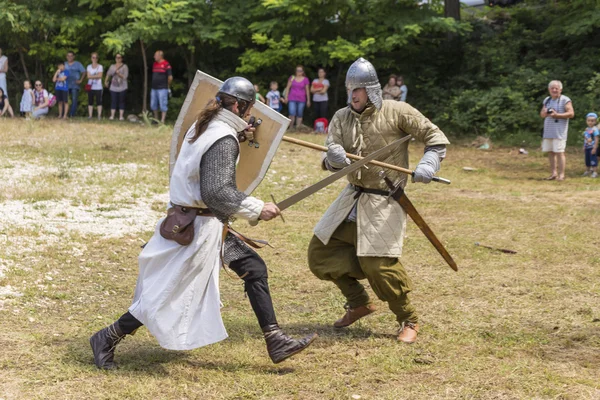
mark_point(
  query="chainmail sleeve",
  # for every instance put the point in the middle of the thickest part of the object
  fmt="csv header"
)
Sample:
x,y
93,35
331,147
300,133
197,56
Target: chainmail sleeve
x,y
217,178
219,191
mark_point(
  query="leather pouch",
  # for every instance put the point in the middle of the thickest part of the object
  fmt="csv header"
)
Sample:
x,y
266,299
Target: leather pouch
x,y
179,225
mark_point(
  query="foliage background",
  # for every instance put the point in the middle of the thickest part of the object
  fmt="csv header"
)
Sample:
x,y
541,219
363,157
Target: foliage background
x,y
486,74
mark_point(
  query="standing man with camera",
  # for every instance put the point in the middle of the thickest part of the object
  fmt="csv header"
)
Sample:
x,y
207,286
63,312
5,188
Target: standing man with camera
x,y
556,111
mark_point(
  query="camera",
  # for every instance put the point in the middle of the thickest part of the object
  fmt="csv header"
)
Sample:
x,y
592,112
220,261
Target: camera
x,y
550,111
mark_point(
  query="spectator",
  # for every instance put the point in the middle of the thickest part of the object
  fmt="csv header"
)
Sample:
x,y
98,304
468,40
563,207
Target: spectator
x,y
162,77
297,96
403,88
556,111
94,73
41,101
3,71
259,96
319,89
274,98
27,100
116,81
391,91
591,137
61,90
76,76
5,107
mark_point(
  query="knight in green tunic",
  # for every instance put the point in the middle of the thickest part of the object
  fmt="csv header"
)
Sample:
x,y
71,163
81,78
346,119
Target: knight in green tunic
x,y
360,236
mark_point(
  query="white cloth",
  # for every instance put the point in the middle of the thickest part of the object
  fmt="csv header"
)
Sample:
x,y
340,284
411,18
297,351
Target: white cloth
x,y
96,83
27,100
404,91
177,293
3,61
554,145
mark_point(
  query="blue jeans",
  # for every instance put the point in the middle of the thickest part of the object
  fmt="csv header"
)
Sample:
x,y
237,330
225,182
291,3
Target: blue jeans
x,y
74,93
591,160
296,108
159,97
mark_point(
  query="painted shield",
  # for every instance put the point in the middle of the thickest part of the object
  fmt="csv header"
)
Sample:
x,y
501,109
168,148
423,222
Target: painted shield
x,y
255,157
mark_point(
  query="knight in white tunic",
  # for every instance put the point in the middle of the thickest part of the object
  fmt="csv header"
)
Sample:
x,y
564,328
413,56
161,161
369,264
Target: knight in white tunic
x,y
177,292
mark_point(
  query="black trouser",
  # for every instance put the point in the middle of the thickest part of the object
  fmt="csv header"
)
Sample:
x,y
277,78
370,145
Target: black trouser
x,y
95,95
320,109
253,270
117,100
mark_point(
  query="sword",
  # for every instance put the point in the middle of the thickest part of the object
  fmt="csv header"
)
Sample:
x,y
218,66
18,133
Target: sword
x,y
398,194
301,195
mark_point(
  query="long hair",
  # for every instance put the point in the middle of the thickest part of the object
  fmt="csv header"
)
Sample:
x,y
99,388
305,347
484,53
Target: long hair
x,y
210,112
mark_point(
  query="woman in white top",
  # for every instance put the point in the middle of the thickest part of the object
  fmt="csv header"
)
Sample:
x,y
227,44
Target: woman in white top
x,y
94,73
3,71
41,101
319,89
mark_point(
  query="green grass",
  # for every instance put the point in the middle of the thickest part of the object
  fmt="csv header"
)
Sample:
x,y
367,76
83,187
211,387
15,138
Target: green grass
x,y
524,326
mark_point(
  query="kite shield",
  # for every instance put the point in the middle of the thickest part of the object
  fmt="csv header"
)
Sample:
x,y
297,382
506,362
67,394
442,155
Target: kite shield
x,y
256,156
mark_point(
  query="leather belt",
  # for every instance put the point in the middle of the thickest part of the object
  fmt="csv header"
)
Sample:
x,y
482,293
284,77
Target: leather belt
x,y
203,212
360,189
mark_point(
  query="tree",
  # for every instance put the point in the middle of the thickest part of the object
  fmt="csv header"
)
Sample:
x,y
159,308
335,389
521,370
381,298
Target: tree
x,y
452,9
146,21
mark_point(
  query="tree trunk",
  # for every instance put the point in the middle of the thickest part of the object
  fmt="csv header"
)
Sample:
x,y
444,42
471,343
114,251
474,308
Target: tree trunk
x,y
145,99
22,58
452,9
338,83
190,64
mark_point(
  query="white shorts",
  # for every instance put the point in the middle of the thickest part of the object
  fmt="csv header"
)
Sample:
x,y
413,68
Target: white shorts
x,y
554,145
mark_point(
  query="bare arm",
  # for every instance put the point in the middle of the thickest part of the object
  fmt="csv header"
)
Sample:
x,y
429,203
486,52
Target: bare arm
x,y
5,67
55,77
83,75
286,91
307,95
324,90
568,114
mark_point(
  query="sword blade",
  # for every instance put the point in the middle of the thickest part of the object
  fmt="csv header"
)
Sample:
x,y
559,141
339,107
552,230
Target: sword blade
x,y
400,196
301,195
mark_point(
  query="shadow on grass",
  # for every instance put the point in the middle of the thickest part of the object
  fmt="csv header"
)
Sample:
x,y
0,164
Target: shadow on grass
x,y
329,333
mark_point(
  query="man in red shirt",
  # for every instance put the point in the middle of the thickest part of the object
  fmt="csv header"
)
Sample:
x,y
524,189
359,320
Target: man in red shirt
x,y
161,81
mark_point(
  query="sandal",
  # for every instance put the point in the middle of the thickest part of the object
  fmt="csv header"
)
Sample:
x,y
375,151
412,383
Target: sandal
x,y
551,178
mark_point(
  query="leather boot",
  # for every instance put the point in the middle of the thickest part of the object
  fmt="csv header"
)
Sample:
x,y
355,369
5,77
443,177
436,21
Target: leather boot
x,y
408,332
103,345
354,314
280,346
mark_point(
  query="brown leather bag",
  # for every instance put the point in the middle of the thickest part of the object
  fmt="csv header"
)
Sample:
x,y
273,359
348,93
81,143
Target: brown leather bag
x,y
179,225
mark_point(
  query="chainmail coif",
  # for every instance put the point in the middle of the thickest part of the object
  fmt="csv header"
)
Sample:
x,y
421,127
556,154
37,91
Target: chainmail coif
x,y
219,190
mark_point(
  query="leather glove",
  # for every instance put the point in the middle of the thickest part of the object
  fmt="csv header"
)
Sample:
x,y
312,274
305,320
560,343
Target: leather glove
x,y
427,167
336,156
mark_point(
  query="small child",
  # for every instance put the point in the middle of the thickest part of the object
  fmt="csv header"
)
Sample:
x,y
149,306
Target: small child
x,y
274,97
27,100
258,95
590,145
61,90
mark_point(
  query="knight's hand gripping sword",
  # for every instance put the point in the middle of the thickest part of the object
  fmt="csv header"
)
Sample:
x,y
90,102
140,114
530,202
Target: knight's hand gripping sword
x,y
301,195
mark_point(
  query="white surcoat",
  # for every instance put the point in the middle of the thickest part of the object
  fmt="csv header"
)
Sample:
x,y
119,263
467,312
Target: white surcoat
x,y
177,292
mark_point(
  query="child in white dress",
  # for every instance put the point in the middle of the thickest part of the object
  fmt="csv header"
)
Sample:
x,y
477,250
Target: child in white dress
x,y
27,100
